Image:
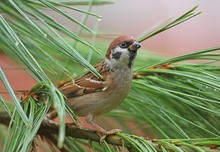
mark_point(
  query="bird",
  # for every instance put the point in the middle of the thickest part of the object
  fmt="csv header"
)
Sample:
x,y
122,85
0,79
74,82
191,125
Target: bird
x,y
90,96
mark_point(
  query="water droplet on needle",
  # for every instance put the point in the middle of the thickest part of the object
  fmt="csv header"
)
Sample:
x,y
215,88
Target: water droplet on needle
x,y
99,18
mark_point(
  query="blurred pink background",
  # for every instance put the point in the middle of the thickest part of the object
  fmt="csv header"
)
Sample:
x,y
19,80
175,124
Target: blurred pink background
x,y
133,18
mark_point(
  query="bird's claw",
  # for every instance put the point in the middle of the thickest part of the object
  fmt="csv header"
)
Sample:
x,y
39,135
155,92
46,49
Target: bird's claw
x,y
104,134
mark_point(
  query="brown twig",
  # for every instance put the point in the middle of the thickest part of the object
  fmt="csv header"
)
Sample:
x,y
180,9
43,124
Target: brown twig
x,y
50,129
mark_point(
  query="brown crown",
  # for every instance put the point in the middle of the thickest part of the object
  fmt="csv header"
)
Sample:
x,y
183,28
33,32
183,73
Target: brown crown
x,y
116,42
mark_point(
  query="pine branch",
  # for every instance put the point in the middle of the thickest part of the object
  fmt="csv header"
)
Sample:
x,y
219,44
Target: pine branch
x,y
50,129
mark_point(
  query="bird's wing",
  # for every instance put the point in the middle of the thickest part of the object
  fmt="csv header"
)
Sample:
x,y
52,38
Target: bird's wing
x,y
88,83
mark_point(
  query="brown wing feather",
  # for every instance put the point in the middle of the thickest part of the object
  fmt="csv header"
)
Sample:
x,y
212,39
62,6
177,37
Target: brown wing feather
x,y
87,83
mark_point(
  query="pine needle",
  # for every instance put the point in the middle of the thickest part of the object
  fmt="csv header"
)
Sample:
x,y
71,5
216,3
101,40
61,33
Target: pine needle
x,y
14,99
186,16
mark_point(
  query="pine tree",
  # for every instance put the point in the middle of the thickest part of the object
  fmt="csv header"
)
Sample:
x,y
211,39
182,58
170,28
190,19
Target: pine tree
x,y
174,100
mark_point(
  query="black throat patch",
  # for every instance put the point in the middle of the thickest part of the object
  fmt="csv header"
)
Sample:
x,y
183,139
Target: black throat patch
x,y
132,55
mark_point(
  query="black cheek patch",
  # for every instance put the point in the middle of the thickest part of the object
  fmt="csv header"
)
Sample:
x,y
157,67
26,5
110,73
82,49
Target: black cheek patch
x,y
116,55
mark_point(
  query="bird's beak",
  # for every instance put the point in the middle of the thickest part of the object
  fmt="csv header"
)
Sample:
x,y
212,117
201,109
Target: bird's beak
x,y
135,46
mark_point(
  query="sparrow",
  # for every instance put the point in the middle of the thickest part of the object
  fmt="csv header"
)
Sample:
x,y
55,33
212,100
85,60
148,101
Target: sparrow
x,y
91,96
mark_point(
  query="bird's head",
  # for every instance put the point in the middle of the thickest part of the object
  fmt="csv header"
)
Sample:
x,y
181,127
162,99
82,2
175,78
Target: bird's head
x,y
122,52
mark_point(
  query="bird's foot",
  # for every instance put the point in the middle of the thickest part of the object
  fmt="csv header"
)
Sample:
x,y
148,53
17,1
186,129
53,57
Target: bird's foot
x,y
105,133
113,131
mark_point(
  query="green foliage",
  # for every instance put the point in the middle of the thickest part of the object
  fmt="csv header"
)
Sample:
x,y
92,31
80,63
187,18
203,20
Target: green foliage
x,y
25,23
180,97
14,99
21,134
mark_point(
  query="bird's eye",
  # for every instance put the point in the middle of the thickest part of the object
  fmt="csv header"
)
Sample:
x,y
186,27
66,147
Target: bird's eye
x,y
123,45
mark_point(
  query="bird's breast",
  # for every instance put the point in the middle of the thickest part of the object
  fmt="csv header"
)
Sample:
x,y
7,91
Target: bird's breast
x,y
102,102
